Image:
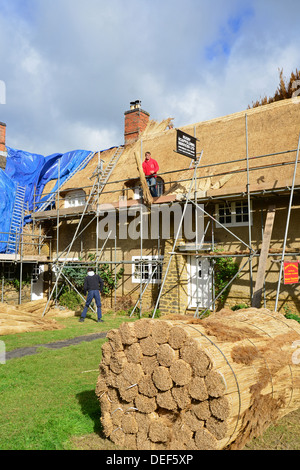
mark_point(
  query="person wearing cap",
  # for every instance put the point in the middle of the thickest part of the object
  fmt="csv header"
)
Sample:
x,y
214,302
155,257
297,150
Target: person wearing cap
x,y
150,168
93,286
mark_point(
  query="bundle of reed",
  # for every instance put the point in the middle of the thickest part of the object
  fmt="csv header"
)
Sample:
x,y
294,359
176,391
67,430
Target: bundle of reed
x,y
21,319
36,306
147,198
196,384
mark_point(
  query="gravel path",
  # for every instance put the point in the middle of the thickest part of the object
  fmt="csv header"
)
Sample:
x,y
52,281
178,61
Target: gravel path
x,y
28,351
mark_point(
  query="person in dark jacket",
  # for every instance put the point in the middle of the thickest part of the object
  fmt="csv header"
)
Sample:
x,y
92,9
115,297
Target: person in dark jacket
x,y
93,285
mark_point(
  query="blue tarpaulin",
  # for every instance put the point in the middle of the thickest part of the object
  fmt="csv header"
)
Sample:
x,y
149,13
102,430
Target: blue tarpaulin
x,y
32,171
68,163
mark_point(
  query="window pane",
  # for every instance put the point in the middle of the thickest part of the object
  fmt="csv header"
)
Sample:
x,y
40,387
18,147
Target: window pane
x,y
146,270
200,269
157,272
241,210
159,186
137,271
224,214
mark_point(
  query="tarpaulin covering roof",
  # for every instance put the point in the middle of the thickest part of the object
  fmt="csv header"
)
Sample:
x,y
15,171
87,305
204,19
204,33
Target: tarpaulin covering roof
x,y
32,171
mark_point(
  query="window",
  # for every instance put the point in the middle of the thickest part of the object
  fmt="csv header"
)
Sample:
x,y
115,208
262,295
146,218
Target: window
x,y
9,272
138,192
134,186
234,213
75,198
147,269
160,188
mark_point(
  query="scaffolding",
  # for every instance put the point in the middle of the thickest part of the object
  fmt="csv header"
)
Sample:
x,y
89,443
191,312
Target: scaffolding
x,y
91,208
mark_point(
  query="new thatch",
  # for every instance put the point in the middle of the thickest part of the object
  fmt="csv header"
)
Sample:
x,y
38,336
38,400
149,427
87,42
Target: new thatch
x,y
271,128
208,384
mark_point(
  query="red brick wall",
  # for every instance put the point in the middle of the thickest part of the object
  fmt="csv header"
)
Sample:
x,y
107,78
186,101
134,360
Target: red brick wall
x,y
135,122
2,136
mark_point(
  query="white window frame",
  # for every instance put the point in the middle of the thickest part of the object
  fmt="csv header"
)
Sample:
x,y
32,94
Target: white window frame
x,y
231,207
135,270
75,198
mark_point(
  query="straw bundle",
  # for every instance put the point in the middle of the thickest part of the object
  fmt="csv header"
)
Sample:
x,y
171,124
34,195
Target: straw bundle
x,y
201,384
28,317
148,199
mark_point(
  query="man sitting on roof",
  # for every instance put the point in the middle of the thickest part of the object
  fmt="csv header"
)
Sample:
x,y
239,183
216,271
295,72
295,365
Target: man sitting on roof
x,y
150,167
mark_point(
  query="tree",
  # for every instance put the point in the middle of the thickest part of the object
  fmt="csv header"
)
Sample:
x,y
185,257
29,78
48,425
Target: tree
x,y
224,270
76,275
285,90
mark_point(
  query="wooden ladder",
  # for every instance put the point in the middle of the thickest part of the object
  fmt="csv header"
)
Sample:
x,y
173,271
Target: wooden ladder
x,y
256,299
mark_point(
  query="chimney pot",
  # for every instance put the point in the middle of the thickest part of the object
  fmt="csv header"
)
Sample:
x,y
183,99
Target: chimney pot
x,y
136,121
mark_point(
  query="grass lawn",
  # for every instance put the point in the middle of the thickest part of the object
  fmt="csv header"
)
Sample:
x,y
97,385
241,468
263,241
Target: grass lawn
x,y
48,399
72,328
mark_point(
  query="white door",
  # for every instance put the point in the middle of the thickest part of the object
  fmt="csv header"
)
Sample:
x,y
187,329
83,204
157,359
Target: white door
x,y
37,286
200,284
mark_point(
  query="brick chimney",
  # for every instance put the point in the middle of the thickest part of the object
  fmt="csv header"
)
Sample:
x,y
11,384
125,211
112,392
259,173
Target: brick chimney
x,y
136,120
3,153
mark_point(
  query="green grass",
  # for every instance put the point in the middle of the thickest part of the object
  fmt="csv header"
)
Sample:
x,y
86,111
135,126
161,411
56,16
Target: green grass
x,y
48,398
283,435
72,328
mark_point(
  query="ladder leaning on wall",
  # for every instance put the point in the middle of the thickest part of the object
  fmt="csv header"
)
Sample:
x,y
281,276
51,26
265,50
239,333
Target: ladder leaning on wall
x,y
16,224
104,177
102,180
96,190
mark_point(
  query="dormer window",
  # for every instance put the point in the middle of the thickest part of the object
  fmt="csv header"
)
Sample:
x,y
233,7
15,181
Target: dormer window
x,y
75,198
160,186
137,193
133,189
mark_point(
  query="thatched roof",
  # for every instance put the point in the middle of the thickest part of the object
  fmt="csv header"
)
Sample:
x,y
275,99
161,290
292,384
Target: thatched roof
x,y
271,128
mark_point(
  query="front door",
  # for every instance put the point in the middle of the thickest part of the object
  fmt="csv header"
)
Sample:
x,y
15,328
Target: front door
x,y
199,282
37,286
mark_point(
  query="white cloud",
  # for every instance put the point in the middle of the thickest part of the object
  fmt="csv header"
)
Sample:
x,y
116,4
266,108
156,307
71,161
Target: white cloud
x,y
71,68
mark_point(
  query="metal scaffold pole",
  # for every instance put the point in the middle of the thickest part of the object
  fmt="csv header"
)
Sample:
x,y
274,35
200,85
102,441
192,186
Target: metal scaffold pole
x,y
101,182
287,225
249,208
177,235
92,193
57,222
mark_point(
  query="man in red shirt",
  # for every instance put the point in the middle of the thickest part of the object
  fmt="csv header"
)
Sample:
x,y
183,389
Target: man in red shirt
x,y
150,167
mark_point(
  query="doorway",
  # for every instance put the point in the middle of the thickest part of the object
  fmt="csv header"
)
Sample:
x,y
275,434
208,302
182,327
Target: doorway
x,y
199,282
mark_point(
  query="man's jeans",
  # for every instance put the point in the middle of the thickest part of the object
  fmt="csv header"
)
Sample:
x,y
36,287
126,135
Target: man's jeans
x,y
151,180
92,294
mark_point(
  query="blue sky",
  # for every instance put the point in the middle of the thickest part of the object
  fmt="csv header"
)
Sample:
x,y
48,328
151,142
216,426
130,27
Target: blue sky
x,y
71,68
228,33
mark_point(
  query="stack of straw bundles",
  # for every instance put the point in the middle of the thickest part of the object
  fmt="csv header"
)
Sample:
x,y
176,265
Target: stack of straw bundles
x,y
197,384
